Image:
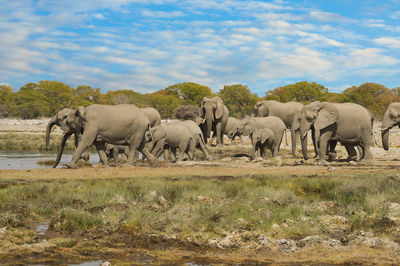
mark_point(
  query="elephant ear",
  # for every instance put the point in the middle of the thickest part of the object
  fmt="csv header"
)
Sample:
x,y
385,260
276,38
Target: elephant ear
x,y
202,113
80,112
219,110
265,135
158,133
246,129
296,122
327,116
256,136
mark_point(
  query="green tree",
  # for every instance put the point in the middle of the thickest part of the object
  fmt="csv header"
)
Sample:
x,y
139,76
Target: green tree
x,y
375,97
28,103
303,91
238,99
5,92
164,103
189,93
85,96
59,95
127,97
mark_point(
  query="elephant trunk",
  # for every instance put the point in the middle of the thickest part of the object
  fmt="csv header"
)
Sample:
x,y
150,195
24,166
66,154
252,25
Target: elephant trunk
x,y
209,120
385,139
61,149
50,125
304,146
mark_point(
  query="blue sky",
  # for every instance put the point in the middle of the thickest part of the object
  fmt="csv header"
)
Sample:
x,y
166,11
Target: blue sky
x,y
147,45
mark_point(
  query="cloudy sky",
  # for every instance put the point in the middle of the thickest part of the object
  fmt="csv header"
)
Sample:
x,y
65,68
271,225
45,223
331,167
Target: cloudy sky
x,y
147,45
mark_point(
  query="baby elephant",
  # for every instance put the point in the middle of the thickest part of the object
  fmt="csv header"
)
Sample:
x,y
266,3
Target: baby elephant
x,y
171,136
261,139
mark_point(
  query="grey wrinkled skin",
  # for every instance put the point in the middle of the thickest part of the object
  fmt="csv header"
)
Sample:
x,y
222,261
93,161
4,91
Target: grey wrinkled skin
x,y
391,118
216,116
122,124
263,139
347,123
247,127
285,111
171,136
197,134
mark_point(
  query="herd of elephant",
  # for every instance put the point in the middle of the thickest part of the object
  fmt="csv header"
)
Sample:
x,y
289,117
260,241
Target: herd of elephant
x,y
125,128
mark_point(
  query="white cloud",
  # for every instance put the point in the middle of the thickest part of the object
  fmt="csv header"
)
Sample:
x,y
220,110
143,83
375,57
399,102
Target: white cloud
x,y
389,42
162,14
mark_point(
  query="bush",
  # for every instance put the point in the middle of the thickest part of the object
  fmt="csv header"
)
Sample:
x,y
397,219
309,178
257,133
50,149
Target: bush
x,y
187,112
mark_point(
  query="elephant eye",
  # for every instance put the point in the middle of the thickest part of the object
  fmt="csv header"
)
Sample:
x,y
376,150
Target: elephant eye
x,y
309,118
392,116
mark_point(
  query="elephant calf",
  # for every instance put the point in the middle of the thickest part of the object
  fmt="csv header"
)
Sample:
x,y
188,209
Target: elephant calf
x,y
261,139
172,136
113,151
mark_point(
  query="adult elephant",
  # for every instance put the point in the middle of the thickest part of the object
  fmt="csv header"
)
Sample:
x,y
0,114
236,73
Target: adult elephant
x,y
285,111
348,123
122,124
391,118
216,116
74,127
249,125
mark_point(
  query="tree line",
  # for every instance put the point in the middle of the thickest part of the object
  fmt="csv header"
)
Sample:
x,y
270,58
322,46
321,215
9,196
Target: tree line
x,y
46,98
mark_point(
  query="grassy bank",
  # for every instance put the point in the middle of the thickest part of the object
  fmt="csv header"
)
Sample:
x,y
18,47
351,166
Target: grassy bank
x,y
200,209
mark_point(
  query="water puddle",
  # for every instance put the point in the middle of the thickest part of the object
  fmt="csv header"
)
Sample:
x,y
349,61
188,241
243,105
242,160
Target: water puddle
x,y
41,228
89,263
29,160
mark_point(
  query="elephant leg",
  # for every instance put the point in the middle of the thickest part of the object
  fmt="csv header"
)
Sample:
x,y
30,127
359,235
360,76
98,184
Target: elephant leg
x,y
331,153
220,135
287,144
173,154
101,150
138,142
182,149
294,134
115,154
204,149
136,157
351,151
87,139
166,154
274,149
360,152
315,142
262,150
323,145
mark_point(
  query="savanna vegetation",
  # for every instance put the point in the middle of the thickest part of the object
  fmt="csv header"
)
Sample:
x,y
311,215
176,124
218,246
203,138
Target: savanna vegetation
x,y
88,215
45,98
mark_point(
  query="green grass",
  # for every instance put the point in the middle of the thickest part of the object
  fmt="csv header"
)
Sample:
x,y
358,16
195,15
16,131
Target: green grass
x,y
210,206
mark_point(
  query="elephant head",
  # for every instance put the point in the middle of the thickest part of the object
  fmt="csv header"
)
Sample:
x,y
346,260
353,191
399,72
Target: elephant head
x,y
262,135
71,122
246,127
391,118
156,133
261,109
318,115
211,109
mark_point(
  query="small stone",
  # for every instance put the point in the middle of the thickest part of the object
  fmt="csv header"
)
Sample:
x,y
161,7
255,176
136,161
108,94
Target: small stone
x,y
153,193
352,163
275,226
106,263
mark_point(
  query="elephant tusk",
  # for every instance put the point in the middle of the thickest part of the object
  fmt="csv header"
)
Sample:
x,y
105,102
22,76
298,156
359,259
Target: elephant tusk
x,y
384,129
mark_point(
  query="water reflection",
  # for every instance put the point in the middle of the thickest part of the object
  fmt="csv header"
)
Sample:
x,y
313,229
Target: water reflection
x,y
29,160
